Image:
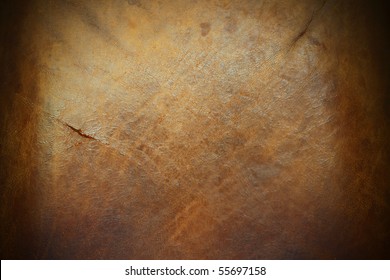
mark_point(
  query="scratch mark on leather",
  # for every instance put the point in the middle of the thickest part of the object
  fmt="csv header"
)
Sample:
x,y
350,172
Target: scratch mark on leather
x,y
306,27
80,132
302,33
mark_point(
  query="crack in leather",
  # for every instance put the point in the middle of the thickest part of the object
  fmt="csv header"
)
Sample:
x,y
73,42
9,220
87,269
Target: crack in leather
x,y
80,132
306,27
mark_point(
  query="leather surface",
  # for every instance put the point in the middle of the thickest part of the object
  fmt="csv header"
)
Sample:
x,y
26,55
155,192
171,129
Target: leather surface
x,y
194,130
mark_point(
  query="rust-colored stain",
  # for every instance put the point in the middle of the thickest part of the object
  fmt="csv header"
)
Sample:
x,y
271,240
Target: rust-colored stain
x,y
194,130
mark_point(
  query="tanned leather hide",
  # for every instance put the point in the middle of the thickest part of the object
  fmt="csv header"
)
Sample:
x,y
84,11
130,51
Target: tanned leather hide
x,y
194,129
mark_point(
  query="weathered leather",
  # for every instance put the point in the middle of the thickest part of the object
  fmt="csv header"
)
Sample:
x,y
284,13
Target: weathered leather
x,y
194,130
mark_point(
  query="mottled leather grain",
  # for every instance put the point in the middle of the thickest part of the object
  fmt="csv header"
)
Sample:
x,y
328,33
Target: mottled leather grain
x,y
194,129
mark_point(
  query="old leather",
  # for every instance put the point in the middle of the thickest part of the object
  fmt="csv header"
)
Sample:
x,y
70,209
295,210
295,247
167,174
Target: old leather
x,y
194,130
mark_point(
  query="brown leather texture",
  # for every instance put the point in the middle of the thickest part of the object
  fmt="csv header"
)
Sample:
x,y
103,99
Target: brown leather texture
x,y
194,129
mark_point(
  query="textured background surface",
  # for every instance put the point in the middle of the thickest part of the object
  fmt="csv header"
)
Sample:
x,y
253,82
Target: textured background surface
x,y
194,129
